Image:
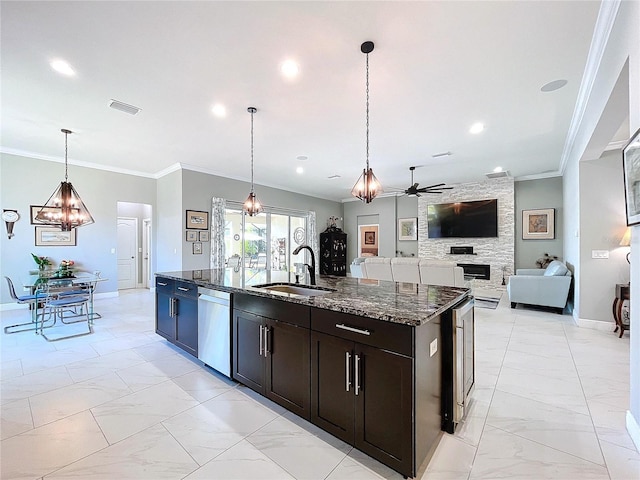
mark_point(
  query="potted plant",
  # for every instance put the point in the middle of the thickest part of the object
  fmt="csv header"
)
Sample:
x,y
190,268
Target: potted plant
x,y
42,262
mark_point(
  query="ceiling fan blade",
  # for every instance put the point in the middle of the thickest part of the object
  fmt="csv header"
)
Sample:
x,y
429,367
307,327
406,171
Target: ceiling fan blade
x,y
435,185
418,195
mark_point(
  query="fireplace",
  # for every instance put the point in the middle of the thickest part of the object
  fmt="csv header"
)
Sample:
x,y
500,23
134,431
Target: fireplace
x,y
477,271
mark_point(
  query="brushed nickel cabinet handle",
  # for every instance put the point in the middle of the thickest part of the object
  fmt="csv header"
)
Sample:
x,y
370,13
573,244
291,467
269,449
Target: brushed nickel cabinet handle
x,y
162,284
182,289
347,370
342,326
357,374
261,340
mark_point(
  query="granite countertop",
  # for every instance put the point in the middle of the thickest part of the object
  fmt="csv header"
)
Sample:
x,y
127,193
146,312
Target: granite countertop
x,y
406,303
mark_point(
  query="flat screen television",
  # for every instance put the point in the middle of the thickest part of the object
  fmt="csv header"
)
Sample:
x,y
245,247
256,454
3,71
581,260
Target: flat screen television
x,y
477,219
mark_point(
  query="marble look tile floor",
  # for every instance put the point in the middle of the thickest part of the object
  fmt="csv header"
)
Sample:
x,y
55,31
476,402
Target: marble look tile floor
x,y
549,403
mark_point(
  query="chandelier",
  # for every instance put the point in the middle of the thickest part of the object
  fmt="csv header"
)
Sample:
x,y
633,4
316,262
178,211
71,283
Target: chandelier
x,y
252,205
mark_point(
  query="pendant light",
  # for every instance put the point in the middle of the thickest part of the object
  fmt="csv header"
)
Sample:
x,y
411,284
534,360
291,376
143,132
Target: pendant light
x,y
367,187
252,205
65,208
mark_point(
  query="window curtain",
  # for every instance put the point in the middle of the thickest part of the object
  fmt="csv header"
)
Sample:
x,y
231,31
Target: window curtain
x,y
218,206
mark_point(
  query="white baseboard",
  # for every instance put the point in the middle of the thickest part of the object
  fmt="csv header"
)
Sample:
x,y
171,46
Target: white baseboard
x,y
595,324
634,429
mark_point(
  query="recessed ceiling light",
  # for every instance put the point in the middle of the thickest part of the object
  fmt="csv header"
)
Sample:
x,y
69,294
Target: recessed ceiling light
x,y
289,69
62,67
299,170
219,110
555,85
476,128
497,169
302,157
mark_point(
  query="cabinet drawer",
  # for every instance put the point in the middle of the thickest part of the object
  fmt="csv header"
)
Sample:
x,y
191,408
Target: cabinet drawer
x,y
165,285
287,312
377,333
186,289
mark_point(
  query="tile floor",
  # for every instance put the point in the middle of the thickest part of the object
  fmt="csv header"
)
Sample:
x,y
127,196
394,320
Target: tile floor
x,y
550,402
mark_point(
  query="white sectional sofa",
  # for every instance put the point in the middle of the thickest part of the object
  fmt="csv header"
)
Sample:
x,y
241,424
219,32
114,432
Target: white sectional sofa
x,y
409,269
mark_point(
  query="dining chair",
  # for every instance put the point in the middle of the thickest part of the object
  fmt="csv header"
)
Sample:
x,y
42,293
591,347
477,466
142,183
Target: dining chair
x,y
22,299
60,303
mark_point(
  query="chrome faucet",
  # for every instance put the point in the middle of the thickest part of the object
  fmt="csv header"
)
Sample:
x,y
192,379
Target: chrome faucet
x,y
312,267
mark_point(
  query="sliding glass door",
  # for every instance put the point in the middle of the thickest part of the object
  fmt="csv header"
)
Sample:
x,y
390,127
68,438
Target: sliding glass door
x,y
260,249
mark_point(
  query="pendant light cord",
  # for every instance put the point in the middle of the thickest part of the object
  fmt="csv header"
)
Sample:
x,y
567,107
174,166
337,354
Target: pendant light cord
x,y
66,150
252,151
367,112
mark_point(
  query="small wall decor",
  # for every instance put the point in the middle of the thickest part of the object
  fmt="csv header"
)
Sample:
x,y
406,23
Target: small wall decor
x,y
204,236
197,274
192,236
631,169
197,248
538,224
368,240
408,228
10,217
54,237
197,220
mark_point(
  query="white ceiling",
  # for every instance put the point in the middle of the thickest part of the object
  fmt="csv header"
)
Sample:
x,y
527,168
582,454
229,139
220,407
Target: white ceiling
x,y
437,68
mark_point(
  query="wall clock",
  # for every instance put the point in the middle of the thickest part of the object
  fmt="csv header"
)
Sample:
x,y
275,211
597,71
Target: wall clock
x,y
10,217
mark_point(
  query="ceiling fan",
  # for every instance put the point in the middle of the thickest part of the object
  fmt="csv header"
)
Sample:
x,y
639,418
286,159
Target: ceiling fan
x,y
415,191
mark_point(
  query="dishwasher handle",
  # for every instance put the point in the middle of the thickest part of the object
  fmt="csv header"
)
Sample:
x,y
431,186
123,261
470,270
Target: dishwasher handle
x,y
208,298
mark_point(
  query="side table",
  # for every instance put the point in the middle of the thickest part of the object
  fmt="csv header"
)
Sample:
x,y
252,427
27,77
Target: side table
x,y
622,293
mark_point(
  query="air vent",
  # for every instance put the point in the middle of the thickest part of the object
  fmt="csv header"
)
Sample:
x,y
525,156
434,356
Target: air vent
x,y
333,176
504,173
123,107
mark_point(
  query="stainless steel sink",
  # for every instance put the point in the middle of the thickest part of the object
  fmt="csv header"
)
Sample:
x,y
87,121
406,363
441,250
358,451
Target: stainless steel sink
x,y
294,289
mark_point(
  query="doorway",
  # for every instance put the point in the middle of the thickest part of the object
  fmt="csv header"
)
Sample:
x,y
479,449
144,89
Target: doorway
x,y
134,245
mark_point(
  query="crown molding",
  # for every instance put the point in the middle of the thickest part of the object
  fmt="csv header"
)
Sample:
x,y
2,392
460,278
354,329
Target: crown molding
x,y
604,24
538,176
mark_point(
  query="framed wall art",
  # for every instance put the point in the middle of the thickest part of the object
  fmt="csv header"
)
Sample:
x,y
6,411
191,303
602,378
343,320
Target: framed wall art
x,y
192,236
197,220
368,240
408,228
631,169
36,208
197,248
538,224
54,237
204,236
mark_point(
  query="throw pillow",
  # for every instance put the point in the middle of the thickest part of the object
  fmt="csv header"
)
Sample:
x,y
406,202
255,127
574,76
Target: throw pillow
x,y
555,268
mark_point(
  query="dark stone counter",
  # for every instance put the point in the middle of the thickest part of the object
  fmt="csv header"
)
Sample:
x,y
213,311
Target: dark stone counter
x,y
406,303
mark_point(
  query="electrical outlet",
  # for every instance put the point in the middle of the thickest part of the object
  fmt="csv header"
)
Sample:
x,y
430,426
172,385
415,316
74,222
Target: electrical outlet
x,y
599,253
433,347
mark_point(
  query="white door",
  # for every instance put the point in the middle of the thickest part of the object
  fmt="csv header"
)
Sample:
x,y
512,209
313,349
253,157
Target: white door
x,y
146,253
127,252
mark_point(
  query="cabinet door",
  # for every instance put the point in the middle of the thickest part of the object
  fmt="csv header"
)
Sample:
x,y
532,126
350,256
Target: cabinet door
x,y
384,406
165,324
332,398
248,359
288,367
187,324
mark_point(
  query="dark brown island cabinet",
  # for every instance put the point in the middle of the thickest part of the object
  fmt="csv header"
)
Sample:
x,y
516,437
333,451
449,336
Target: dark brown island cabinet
x,y
177,313
271,350
371,383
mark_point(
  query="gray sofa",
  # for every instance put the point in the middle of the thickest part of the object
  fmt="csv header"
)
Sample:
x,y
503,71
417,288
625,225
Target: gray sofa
x,y
547,287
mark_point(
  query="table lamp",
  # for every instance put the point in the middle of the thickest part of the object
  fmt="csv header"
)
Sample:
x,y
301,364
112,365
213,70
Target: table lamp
x,y
626,242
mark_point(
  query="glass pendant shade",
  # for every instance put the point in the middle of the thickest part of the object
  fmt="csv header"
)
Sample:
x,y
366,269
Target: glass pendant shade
x,y
65,208
252,205
367,187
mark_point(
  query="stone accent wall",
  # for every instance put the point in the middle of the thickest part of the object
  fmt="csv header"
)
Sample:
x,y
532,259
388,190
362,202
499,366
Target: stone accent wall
x,y
497,252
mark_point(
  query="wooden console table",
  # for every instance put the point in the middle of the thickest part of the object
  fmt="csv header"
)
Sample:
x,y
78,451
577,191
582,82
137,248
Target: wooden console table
x,y
622,293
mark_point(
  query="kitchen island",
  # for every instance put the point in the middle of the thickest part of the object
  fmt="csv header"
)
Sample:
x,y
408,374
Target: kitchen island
x,y
362,359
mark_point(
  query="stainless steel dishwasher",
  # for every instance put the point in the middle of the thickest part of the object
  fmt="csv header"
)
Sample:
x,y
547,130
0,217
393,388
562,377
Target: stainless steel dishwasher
x,y
214,329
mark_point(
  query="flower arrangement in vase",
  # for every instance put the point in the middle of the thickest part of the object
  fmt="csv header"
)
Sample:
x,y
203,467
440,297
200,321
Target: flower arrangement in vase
x,y
42,262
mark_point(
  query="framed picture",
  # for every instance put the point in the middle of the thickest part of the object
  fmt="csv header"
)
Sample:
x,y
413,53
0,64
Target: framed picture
x,y
631,169
197,274
197,220
204,236
538,224
370,238
54,237
192,236
408,228
197,248
36,208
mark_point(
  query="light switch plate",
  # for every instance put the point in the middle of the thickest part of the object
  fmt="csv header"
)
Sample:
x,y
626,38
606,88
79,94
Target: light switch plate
x,y
599,253
433,347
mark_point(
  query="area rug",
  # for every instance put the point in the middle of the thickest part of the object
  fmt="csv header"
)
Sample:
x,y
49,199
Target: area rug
x,y
487,302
